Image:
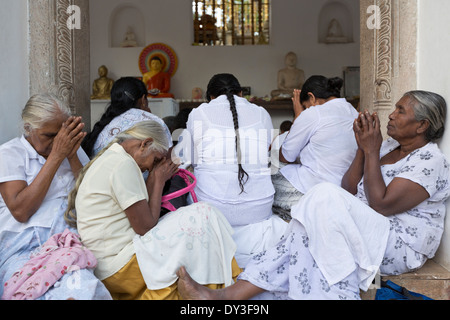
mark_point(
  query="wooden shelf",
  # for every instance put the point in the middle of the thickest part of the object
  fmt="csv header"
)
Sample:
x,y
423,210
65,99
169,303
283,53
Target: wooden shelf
x,y
275,105
268,105
282,105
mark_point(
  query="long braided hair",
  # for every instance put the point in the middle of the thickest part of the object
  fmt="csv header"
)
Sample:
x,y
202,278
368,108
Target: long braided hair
x,y
125,94
227,84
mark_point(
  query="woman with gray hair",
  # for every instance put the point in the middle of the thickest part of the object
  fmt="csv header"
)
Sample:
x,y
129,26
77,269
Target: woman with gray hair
x,y
389,215
117,214
37,172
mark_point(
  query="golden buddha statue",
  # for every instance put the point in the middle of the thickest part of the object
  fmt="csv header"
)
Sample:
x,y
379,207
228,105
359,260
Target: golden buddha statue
x,y
101,89
289,78
157,81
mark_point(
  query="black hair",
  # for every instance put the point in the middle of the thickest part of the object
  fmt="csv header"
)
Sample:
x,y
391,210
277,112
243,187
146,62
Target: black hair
x,y
182,117
227,84
170,123
286,126
125,94
156,58
322,88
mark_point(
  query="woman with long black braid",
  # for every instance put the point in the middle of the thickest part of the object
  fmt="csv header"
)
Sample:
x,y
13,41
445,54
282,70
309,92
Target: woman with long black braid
x,y
129,105
228,140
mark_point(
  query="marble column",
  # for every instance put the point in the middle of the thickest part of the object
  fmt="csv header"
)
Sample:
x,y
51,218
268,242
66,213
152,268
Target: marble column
x,y
59,52
388,54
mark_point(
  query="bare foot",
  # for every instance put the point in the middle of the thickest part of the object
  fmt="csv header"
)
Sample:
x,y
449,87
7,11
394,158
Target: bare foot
x,y
191,290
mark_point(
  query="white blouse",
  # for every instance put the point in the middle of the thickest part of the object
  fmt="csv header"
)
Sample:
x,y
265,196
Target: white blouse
x,y
111,185
210,142
323,138
20,161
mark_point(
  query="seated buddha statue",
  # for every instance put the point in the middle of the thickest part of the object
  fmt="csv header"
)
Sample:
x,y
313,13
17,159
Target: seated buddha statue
x,y
101,88
157,81
335,33
130,39
289,78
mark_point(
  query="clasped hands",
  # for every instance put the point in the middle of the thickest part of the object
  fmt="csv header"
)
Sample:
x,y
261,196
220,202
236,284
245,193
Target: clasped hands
x,y
367,132
69,138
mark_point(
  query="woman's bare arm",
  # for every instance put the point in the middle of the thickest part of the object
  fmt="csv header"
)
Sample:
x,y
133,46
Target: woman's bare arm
x,y
143,215
401,194
24,200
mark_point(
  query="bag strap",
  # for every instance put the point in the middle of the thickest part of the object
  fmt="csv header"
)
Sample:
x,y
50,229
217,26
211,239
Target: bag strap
x,y
185,174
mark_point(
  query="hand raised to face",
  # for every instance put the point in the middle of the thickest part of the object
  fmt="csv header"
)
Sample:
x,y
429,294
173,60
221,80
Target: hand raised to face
x,y
69,137
164,170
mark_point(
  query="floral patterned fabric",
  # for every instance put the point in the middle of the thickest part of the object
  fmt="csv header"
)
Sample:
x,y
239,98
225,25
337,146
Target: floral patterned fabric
x,y
421,228
291,269
288,271
123,122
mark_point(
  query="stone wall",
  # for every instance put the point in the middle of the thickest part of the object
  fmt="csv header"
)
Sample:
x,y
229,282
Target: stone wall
x,y
59,55
388,55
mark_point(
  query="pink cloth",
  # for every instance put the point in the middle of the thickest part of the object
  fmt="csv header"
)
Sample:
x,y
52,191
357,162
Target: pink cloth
x,y
62,253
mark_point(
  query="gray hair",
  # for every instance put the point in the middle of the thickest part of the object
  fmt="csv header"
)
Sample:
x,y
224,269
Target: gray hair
x,y
42,108
431,107
140,131
143,130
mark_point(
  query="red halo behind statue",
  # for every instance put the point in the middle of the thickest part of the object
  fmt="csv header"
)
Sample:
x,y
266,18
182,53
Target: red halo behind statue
x,y
164,52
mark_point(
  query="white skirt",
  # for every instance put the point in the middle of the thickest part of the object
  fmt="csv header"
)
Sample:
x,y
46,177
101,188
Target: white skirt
x,y
255,227
254,238
196,236
333,247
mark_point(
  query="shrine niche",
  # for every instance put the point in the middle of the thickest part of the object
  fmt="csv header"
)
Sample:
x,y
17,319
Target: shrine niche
x,y
335,24
126,27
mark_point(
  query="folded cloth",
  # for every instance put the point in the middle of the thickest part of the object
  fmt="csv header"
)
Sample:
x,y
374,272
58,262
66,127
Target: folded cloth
x,y
198,237
344,233
60,254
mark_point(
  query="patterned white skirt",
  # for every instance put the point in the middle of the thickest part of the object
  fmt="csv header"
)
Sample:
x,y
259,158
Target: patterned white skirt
x,y
333,247
288,271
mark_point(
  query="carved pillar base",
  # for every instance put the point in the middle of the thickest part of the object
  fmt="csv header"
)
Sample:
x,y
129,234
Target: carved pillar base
x,y
59,56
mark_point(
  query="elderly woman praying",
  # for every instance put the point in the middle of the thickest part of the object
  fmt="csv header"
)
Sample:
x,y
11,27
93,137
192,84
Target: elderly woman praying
x,y
118,216
37,172
389,215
